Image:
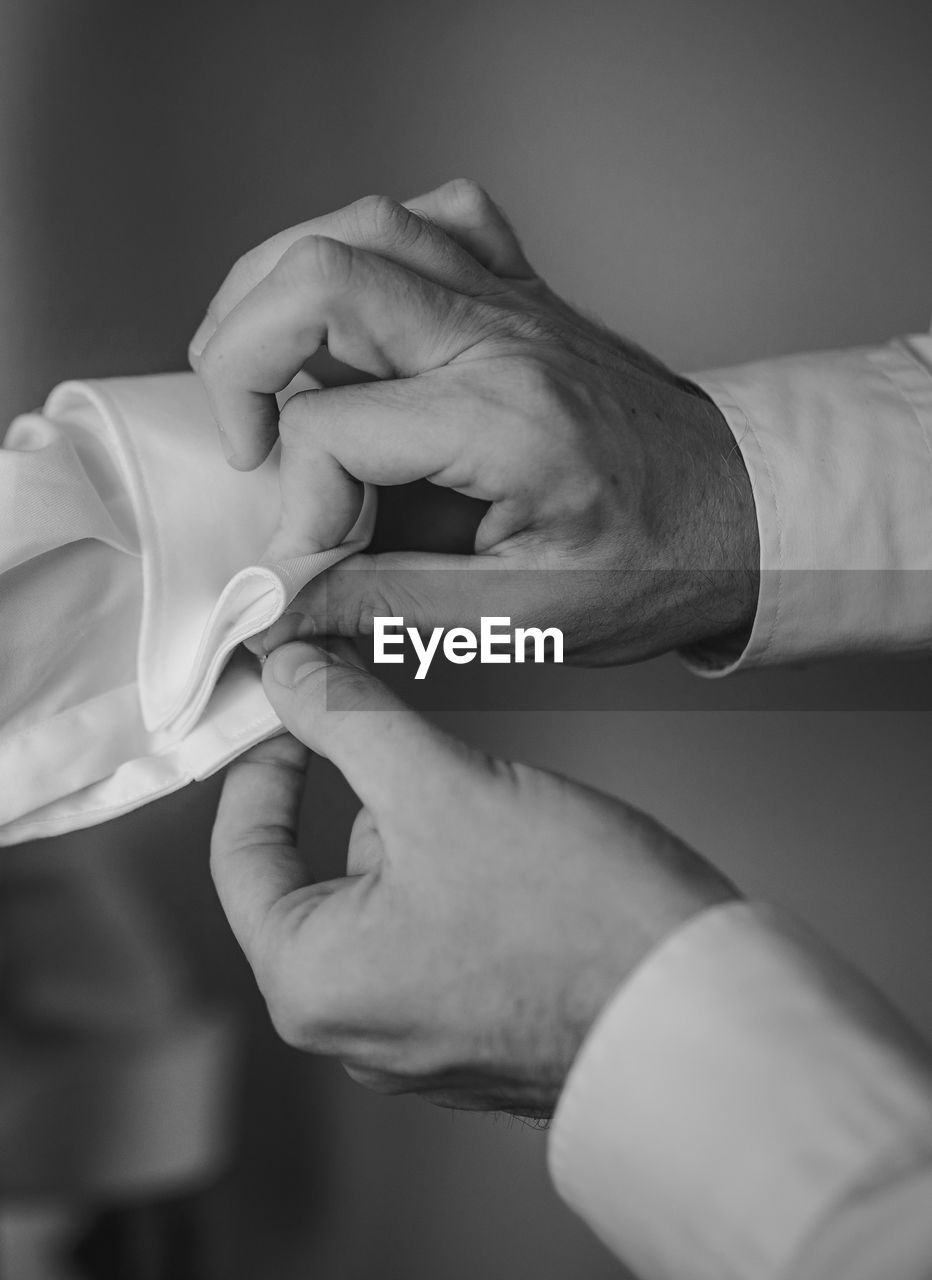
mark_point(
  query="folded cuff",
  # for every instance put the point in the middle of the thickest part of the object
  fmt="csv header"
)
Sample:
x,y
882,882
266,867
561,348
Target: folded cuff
x,y
140,466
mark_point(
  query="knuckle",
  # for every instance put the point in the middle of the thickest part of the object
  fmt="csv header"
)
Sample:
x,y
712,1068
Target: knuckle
x,y
470,199
317,261
371,603
381,218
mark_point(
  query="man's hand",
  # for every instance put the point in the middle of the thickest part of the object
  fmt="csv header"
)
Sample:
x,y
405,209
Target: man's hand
x,y
488,912
591,455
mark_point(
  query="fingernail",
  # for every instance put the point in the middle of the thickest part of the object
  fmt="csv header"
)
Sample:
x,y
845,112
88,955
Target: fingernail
x,y
289,665
200,340
345,650
290,626
256,646
228,451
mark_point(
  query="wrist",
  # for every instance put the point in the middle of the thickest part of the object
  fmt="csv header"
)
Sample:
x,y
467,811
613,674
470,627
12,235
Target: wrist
x,y
726,551
661,886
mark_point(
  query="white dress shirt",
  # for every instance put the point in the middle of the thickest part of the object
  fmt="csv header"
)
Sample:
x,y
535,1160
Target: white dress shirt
x,y
747,1107
130,572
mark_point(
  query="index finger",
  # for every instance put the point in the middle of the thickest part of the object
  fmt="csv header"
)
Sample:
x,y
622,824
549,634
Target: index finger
x,y
371,314
253,854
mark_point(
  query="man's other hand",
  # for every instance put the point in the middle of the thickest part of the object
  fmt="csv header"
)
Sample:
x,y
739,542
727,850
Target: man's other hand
x,y
488,912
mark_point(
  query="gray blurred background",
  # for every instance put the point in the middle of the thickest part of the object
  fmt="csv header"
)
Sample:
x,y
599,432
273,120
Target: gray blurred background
x,y
722,181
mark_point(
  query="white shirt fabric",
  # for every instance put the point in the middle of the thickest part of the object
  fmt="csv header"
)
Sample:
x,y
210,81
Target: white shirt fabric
x,y
747,1107
838,447
130,572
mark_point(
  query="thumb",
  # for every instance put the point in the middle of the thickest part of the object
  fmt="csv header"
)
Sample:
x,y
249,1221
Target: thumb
x,y
426,589
391,757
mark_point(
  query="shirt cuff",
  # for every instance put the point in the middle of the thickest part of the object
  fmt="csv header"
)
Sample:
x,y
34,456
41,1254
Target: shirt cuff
x,y
131,568
838,448
742,1084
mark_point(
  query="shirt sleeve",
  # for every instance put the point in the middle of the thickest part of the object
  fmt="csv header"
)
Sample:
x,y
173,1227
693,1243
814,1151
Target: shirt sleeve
x,y
132,567
749,1108
838,447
